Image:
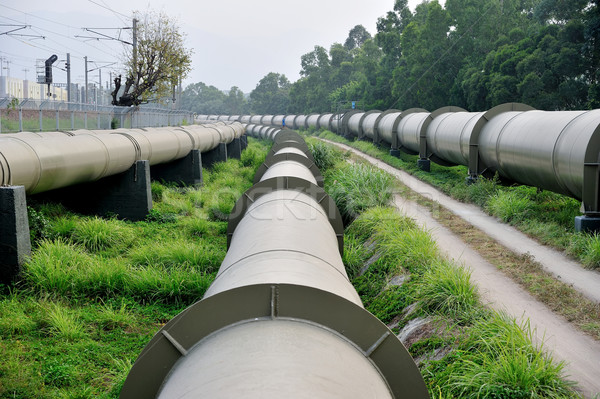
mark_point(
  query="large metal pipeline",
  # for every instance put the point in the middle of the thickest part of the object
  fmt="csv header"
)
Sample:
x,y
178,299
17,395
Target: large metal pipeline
x,y
354,124
312,121
50,160
557,151
281,318
324,121
369,124
553,150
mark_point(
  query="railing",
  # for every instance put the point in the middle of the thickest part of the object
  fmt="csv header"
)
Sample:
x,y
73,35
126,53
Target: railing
x,y
36,116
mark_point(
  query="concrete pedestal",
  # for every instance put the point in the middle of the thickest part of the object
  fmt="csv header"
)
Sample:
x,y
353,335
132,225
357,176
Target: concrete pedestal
x,y
424,164
395,153
244,142
234,149
15,242
127,195
218,154
186,171
587,224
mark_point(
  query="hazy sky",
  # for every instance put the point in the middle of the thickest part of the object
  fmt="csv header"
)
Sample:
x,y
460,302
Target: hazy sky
x,y
235,42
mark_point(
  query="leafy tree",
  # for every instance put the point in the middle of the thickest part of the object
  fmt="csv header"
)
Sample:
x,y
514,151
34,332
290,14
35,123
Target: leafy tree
x,y
235,103
271,95
203,99
426,76
356,37
160,62
389,31
471,53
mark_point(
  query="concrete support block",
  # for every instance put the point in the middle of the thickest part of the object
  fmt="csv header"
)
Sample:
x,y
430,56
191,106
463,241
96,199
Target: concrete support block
x,y
234,149
186,171
15,243
127,195
244,142
218,154
471,180
424,164
587,224
395,153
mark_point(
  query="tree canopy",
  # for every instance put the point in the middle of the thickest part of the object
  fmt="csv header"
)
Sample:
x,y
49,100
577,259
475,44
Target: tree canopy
x,y
473,54
159,63
208,100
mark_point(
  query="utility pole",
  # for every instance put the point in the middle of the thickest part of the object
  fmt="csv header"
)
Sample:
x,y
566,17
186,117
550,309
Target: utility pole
x,y
99,86
68,68
135,21
7,67
86,81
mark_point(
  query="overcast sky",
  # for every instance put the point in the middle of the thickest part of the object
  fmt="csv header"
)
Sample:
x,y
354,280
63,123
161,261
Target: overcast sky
x,y
235,42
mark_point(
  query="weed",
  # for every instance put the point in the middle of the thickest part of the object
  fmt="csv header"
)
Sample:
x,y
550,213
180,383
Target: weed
x,y
16,316
161,217
326,156
509,205
179,253
39,225
62,323
358,187
591,253
254,155
157,191
447,289
63,226
502,362
110,318
96,234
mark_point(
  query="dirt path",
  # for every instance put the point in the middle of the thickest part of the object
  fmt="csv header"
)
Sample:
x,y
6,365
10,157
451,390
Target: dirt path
x,y
579,351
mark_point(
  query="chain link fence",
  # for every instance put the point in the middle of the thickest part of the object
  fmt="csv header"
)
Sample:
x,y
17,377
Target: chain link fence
x,y
37,116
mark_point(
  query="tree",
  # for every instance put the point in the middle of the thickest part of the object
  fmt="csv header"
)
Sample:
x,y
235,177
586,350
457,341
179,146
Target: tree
x,y
159,64
235,102
203,99
271,95
356,37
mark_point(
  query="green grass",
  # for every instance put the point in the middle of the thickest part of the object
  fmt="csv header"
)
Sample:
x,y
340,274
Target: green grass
x,y
357,187
497,360
488,354
394,265
447,290
96,290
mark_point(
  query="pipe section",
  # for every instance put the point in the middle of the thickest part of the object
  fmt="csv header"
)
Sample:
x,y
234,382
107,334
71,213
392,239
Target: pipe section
x,y
51,160
552,150
281,318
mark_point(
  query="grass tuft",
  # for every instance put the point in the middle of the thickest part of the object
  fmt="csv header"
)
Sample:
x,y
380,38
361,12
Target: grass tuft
x,y
98,234
325,155
358,187
61,322
447,289
509,206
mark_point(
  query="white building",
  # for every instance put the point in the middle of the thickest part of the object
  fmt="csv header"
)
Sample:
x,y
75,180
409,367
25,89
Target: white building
x,y
21,89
